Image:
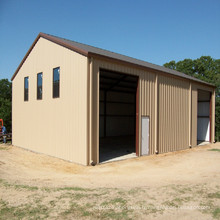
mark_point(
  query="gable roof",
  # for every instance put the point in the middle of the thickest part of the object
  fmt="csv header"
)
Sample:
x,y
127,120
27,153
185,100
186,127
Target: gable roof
x,y
91,51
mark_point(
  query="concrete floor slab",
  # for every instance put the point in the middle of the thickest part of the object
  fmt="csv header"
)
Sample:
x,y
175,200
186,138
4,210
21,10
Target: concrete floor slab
x,y
116,148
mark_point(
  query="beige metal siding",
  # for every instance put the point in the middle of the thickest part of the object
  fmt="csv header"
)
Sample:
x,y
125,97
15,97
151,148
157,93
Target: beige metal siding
x,y
194,115
146,100
56,127
147,104
173,133
170,103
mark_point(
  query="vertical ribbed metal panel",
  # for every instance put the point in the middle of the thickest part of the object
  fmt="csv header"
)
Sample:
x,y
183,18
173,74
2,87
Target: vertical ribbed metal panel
x,y
146,99
53,126
147,103
173,130
194,115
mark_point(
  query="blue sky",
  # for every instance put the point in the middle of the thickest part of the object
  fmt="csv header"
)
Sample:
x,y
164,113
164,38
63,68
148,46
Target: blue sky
x,y
156,31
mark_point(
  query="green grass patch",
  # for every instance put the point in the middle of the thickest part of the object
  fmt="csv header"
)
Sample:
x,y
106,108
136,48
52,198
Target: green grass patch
x,y
26,211
6,212
216,213
214,149
103,203
111,214
72,189
170,204
180,189
211,209
46,189
77,211
18,186
133,191
214,195
121,193
78,196
115,202
30,188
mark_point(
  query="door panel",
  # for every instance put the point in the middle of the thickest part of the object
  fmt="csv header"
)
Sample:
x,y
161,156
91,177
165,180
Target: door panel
x,y
144,135
203,121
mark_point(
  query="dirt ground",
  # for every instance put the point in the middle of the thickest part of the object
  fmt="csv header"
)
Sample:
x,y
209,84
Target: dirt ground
x,y
177,185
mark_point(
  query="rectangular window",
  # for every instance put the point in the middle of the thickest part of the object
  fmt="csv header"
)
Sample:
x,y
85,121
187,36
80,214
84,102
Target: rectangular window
x,y
39,85
26,88
56,82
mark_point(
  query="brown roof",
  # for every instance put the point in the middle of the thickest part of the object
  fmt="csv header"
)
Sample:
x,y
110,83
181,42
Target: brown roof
x,y
90,51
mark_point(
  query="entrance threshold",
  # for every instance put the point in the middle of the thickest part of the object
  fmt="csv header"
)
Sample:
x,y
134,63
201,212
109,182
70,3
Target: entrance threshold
x,y
124,157
200,143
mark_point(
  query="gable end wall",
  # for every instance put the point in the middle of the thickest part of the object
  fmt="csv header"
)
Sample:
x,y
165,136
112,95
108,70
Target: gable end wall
x,y
53,126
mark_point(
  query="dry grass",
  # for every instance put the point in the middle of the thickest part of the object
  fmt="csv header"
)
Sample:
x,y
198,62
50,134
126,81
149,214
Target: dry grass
x,y
31,194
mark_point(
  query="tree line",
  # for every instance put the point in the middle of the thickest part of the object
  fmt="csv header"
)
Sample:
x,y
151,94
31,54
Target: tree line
x,y
5,102
205,68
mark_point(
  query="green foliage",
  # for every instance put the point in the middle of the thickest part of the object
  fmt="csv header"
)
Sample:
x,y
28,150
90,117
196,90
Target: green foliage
x,y
217,119
214,149
207,69
5,102
171,65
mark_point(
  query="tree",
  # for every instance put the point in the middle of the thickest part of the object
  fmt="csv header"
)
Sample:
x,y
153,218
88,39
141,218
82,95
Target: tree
x,y
5,102
207,69
217,119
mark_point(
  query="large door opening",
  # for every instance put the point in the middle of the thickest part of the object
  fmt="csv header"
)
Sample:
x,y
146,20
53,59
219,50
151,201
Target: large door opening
x,y
117,116
204,117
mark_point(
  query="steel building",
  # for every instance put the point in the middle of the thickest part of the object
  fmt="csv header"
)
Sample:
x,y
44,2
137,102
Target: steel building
x,y
88,105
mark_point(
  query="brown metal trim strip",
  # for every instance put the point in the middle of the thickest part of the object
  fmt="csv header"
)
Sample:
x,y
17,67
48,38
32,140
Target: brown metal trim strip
x,y
137,118
210,118
105,115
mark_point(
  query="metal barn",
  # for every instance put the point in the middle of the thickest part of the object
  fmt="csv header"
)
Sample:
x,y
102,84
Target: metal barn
x,y
88,105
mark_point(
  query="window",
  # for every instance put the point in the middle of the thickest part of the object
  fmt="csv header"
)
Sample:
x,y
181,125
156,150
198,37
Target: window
x,y
39,85
26,88
56,82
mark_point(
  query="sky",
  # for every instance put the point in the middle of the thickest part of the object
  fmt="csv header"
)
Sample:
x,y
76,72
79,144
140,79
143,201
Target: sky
x,y
156,31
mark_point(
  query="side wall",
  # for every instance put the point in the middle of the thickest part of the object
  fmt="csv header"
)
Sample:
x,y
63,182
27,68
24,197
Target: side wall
x,y
170,103
53,126
146,101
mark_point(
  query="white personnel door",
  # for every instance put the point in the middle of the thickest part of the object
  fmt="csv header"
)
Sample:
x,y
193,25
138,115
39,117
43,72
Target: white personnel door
x,y
144,135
